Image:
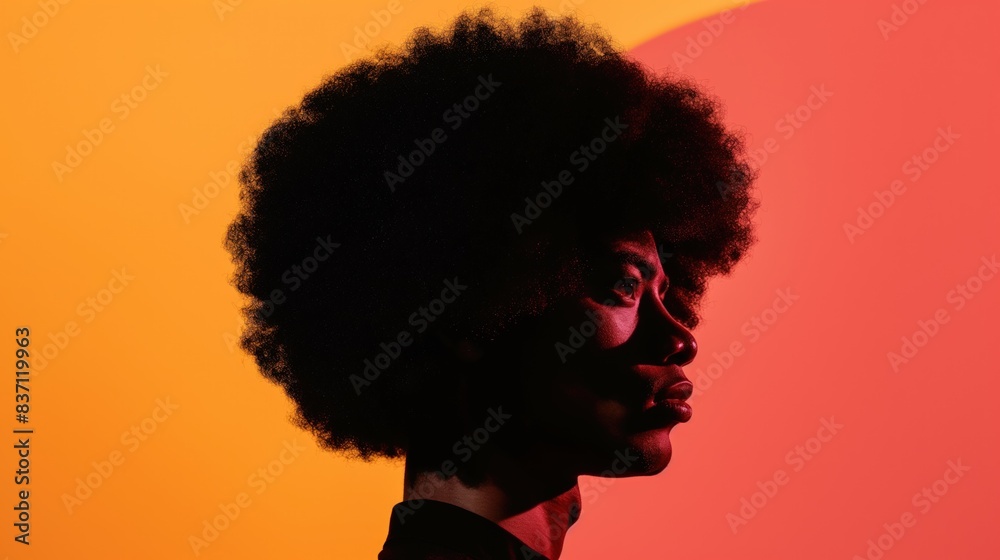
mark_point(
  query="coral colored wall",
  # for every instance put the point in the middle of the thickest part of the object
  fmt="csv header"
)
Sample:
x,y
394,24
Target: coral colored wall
x,y
809,440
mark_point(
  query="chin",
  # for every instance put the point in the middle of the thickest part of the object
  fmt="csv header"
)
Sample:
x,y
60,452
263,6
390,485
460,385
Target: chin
x,y
643,454
653,450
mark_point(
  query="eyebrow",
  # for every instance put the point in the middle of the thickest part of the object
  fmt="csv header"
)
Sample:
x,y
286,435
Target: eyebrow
x,y
645,266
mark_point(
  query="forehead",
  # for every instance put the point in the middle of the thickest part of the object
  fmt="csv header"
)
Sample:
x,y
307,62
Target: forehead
x,y
640,242
637,248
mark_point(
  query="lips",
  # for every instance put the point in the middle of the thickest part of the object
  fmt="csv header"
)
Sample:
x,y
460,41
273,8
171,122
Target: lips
x,y
668,406
660,394
679,391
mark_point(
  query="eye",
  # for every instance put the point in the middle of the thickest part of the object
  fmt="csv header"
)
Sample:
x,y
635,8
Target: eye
x,y
666,292
627,287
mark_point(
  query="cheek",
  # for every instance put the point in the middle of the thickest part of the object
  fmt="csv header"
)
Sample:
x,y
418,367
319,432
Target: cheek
x,y
579,408
614,326
579,395
582,392
583,327
574,414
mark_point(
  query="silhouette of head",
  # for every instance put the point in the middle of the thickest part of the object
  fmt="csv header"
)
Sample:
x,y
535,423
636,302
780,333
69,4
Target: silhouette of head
x,y
491,241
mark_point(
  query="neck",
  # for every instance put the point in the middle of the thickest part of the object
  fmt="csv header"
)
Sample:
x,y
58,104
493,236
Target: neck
x,y
536,511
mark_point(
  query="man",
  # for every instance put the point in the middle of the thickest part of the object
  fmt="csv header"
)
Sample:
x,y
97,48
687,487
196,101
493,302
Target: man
x,y
517,223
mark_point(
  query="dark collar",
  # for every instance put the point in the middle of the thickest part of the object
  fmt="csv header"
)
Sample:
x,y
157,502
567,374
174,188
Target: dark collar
x,y
452,532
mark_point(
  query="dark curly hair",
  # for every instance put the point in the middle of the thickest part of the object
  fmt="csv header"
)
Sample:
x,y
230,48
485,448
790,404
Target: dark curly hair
x,y
482,154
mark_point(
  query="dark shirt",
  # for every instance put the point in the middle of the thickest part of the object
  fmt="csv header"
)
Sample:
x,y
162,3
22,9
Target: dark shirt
x,y
441,531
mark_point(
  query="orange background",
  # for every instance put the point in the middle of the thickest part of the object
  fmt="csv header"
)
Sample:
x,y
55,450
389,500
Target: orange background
x,y
168,335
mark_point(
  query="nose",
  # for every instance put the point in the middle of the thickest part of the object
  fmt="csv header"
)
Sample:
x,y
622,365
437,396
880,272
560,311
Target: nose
x,y
668,341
